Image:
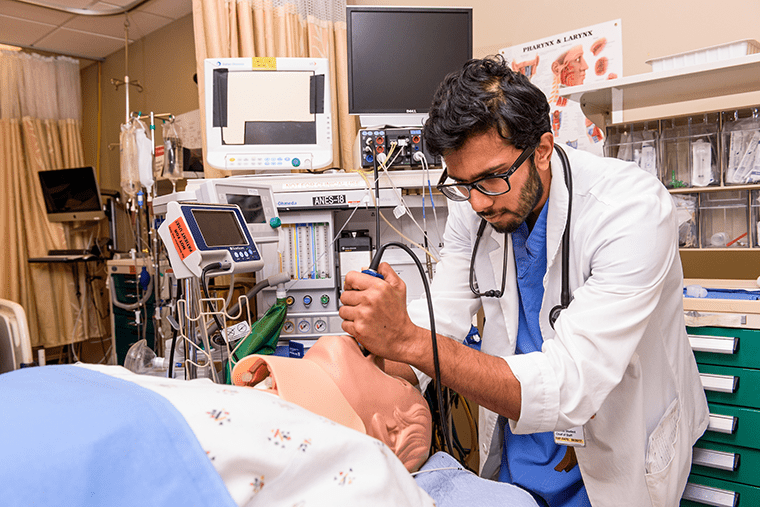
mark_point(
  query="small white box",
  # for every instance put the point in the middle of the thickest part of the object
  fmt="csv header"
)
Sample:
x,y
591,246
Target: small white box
x,y
720,52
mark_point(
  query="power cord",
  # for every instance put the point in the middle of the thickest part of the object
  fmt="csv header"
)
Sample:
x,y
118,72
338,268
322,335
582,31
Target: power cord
x,y
214,266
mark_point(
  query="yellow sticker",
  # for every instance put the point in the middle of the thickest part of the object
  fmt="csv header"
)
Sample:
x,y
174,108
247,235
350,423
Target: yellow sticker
x,y
264,63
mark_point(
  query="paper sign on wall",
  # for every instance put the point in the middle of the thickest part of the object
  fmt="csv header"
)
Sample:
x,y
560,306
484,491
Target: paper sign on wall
x,y
582,56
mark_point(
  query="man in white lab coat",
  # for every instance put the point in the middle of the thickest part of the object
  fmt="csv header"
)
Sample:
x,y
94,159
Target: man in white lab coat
x,y
614,374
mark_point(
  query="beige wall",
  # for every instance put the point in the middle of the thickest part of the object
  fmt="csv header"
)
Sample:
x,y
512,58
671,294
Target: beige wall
x,y
651,28
164,63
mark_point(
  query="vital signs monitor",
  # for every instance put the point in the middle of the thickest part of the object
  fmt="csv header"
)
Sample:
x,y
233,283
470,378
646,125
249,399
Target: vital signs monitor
x,y
270,114
198,235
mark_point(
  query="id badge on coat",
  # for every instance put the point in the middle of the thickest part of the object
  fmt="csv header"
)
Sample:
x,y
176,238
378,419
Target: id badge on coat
x,y
573,437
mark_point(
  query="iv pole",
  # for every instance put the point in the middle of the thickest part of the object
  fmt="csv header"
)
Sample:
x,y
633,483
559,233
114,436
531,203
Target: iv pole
x,y
118,82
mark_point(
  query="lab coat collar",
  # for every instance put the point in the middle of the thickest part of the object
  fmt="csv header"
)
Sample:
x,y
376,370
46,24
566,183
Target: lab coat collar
x,y
556,220
557,214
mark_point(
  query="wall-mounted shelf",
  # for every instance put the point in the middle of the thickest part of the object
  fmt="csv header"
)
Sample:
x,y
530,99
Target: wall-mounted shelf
x,y
714,86
716,188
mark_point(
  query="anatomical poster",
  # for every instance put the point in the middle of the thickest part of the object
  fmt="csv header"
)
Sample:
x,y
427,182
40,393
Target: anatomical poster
x,y
582,56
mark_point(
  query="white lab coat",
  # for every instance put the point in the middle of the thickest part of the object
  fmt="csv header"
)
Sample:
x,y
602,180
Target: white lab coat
x,y
618,361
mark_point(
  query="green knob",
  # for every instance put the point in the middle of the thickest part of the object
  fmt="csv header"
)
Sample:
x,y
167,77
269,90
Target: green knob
x,y
275,222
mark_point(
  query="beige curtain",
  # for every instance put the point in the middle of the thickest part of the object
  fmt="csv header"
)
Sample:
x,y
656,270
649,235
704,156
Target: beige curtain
x,y
40,129
286,28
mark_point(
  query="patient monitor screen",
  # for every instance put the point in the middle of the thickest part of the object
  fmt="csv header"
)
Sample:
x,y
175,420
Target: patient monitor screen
x,y
219,228
251,206
267,107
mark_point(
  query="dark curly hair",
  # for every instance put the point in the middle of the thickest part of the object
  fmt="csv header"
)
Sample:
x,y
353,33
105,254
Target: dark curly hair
x,y
485,94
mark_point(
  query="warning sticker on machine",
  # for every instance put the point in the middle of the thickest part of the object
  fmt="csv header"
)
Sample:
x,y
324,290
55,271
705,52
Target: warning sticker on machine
x,y
181,238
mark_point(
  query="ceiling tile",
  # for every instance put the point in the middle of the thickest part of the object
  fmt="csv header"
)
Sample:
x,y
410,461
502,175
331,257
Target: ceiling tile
x,y
32,12
75,42
22,32
108,26
91,36
173,9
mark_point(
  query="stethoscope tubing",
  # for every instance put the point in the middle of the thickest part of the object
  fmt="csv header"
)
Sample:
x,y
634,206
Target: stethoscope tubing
x,y
565,262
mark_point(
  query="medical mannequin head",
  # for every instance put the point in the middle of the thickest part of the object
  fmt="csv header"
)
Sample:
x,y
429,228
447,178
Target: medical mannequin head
x,y
391,409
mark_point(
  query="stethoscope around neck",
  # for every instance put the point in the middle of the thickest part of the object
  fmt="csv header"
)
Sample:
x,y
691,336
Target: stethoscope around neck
x,y
565,291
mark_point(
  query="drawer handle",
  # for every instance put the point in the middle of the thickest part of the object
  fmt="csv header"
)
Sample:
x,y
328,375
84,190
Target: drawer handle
x,y
714,344
710,496
719,383
722,424
709,458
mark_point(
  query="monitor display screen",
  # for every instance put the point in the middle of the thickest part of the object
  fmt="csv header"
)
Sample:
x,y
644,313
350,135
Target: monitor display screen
x,y
397,56
71,194
251,206
219,228
271,114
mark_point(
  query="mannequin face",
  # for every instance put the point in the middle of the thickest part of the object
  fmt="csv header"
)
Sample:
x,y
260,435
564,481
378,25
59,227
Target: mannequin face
x,y
392,410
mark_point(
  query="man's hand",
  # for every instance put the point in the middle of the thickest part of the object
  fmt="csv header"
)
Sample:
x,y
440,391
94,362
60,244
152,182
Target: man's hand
x,y
374,312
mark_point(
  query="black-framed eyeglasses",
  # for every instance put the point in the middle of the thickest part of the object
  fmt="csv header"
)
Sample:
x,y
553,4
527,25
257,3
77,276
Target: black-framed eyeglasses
x,y
493,184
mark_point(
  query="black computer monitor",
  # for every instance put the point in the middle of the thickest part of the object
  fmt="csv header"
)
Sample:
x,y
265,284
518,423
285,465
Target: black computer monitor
x,y
71,195
397,57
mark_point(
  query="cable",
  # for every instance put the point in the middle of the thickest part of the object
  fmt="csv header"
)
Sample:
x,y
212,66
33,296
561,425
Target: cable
x,y
175,333
391,225
230,291
408,212
436,366
376,199
204,286
272,281
426,171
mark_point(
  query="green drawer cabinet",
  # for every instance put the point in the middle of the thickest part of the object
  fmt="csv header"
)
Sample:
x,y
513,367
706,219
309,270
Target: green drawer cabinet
x,y
731,386
733,425
726,460
701,491
726,346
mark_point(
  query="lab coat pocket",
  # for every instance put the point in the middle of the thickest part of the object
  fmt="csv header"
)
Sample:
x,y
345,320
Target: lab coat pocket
x,y
662,476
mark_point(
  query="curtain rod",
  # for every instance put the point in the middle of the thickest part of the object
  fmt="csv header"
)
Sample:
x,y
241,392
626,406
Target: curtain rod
x,y
56,53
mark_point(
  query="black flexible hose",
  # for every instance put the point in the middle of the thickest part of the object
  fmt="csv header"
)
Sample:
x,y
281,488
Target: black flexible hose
x,y
442,408
174,338
204,284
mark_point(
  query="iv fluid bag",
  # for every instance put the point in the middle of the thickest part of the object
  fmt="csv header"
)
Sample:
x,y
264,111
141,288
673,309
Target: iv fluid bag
x,y
172,152
144,155
130,174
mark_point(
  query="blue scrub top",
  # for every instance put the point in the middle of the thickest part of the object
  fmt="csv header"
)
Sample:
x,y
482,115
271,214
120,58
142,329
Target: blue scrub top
x,y
531,460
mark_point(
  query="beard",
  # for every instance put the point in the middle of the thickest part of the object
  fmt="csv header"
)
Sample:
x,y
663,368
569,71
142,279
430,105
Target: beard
x,y
530,194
